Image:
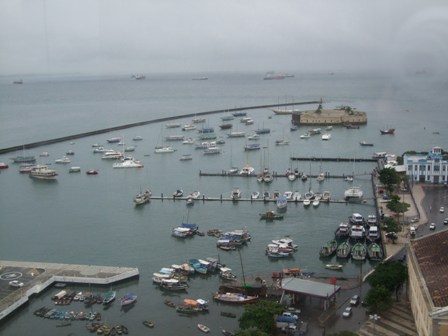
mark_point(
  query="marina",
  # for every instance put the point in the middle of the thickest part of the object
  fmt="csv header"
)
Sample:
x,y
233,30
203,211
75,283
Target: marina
x,y
80,219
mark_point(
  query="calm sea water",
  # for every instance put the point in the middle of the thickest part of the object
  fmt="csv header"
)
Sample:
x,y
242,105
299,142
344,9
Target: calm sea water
x,y
91,219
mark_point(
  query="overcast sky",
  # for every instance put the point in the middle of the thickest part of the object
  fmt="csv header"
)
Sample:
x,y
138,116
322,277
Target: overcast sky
x,y
143,36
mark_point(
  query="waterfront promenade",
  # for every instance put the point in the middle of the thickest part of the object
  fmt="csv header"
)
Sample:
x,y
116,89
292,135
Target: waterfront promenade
x,y
36,277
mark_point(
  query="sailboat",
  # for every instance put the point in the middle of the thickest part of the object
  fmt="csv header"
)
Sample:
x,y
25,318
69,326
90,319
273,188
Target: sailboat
x,y
164,149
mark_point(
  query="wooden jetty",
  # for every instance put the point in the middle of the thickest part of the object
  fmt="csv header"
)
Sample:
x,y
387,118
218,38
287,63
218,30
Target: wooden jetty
x,y
36,277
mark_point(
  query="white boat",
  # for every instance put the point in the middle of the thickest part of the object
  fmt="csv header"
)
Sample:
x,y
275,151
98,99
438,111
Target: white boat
x,y
112,155
236,134
74,169
268,177
188,127
63,160
247,170
181,232
305,136
281,142
188,141
235,194
306,202
190,201
178,193
288,195
353,194
186,157
137,138
164,150
316,202
198,120
255,195
233,171
203,328
101,149
211,150
253,136
174,138
113,140
326,136
195,194
142,197
334,266
129,149
349,179
320,177
291,177
42,172
296,196
128,162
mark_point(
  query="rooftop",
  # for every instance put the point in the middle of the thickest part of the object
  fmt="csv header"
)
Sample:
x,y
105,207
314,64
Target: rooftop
x,y
432,259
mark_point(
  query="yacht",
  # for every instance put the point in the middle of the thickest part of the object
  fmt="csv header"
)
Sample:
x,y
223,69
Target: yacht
x,y
63,160
164,149
42,172
188,127
211,150
112,155
128,162
247,170
353,194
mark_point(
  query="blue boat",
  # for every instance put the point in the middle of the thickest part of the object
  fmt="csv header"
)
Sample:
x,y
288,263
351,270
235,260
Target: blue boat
x,y
282,203
128,299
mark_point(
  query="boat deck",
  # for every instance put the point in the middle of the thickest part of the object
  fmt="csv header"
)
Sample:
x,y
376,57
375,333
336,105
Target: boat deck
x,y
38,276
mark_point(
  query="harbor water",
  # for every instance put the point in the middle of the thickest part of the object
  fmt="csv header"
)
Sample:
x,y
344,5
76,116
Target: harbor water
x,y
92,220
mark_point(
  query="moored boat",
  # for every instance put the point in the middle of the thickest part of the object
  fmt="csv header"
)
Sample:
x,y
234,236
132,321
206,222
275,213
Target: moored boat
x,y
359,251
271,215
128,299
109,297
343,250
236,298
203,328
142,197
328,249
337,267
375,252
42,172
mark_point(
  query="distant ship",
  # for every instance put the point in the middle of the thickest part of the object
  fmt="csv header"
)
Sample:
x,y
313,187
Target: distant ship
x,y
18,81
138,76
387,131
276,75
200,78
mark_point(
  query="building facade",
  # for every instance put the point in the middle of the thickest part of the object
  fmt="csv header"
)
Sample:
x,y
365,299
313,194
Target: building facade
x,y
427,168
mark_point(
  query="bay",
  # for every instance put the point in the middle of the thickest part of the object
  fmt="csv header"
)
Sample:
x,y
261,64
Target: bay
x,y
92,220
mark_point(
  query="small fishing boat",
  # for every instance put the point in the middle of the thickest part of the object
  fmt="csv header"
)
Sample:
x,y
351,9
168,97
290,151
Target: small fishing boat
x,y
236,298
328,249
365,143
148,324
359,251
142,197
178,193
337,267
375,252
128,299
271,215
255,195
343,250
109,297
203,328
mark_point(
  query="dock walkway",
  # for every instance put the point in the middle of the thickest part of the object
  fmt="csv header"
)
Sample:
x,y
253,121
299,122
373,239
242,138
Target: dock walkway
x,y
36,277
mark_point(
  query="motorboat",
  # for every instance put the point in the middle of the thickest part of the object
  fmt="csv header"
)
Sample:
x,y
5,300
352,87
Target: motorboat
x,y
306,202
353,194
128,299
263,131
203,328
268,177
137,138
296,196
226,273
281,203
320,177
236,134
326,136
227,118
365,143
247,170
288,195
236,194
212,150
164,150
233,171
251,147
188,127
271,215
343,230
188,141
195,194
186,157
190,201
225,126
336,267
291,177
128,162
109,297
172,125
174,138
255,195
113,140
236,298
142,197
63,160
328,249
178,193
387,131
281,142
359,251
42,172
92,172
305,136
253,136
198,120
343,250
112,155
74,169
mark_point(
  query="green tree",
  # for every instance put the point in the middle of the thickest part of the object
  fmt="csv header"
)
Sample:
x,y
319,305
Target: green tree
x,y
378,299
260,316
397,206
389,177
391,274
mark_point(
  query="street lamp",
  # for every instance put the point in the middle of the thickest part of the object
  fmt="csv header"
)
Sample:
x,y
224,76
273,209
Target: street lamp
x,y
374,318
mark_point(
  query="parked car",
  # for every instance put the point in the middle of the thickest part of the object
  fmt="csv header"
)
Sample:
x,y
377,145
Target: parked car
x,y
354,300
16,283
445,222
347,312
432,226
442,209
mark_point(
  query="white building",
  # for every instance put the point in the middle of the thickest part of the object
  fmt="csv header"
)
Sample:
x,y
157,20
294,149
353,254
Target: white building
x,y
429,168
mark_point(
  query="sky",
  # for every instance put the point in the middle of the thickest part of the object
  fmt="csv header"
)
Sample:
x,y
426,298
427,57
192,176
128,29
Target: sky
x,y
200,36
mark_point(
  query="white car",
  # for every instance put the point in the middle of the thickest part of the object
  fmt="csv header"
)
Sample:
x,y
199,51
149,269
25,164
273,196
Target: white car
x,y
347,312
442,209
432,226
16,283
445,222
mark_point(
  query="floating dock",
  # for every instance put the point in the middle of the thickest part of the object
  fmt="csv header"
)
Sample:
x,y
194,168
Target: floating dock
x,y
36,277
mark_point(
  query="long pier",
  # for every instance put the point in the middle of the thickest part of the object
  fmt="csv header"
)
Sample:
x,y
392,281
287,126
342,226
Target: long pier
x,y
141,123
36,277
333,159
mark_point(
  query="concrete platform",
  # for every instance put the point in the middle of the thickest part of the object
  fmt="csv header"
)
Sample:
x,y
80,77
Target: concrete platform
x,y
36,277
